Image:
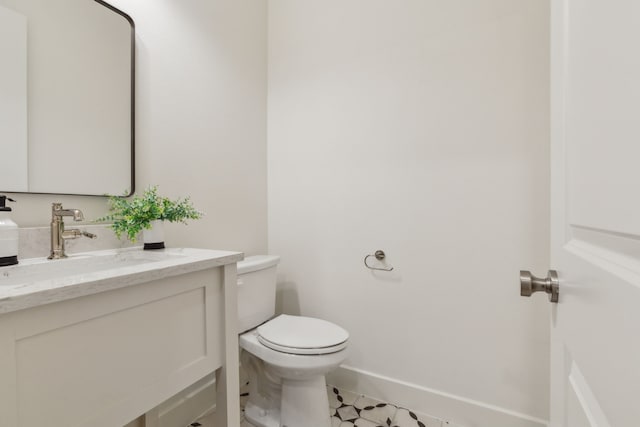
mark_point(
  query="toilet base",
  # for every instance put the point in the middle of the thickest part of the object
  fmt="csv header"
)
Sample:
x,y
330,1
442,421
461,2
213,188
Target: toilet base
x,y
304,404
260,417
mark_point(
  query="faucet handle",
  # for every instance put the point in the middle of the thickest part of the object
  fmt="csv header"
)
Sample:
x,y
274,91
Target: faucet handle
x,y
74,233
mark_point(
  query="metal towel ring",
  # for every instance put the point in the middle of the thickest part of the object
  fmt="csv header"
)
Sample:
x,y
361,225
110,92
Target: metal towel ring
x,y
380,256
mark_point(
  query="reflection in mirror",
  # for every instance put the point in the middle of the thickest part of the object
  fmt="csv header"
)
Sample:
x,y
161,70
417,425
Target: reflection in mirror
x,y
66,97
13,100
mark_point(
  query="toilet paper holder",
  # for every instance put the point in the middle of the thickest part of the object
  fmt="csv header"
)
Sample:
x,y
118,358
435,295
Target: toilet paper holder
x,y
380,256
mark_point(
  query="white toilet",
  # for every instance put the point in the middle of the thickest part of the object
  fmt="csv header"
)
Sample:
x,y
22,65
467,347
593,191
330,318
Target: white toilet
x,y
286,357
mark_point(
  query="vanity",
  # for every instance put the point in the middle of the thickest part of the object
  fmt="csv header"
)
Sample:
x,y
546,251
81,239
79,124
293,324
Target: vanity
x,y
98,338
102,337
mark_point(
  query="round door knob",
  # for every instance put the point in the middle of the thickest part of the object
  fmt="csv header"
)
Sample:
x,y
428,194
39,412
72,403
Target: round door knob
x,y
530,284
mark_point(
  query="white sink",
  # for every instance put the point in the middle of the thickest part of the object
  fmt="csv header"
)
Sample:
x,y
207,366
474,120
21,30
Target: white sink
x,y
39,269
39,281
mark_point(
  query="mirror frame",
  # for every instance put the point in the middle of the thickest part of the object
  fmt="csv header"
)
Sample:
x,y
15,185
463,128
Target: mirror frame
x,y
132,114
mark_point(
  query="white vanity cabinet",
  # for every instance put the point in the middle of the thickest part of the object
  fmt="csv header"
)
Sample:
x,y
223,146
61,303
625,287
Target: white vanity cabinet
x,y
105,350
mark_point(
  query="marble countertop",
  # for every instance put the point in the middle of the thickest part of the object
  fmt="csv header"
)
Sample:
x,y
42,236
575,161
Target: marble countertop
x,y
38,281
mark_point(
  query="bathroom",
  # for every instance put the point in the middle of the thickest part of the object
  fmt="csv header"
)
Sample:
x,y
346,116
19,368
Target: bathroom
x,y
324,131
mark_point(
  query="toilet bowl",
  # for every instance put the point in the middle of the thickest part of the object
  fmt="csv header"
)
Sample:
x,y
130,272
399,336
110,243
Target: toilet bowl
x,y
286,357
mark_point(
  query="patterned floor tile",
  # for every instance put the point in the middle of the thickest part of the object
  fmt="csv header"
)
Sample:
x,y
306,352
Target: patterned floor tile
x,y
361,422
332,394
347,413
337,422
203,422
338,398
244,397
374,410
407,418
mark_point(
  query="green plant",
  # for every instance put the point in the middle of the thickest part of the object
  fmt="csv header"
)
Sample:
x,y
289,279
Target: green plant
x,y
130,216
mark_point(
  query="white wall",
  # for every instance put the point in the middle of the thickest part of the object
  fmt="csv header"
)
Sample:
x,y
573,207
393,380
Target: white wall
x,y
201,120
418,127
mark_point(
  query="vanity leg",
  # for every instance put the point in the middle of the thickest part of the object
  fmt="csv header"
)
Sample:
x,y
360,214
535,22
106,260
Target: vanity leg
x,y
227,377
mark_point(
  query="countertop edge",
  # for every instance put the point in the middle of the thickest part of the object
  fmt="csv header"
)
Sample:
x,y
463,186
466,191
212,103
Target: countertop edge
x,y
192,263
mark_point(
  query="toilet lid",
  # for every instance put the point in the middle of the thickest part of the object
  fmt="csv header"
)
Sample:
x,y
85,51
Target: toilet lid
x,y
302,335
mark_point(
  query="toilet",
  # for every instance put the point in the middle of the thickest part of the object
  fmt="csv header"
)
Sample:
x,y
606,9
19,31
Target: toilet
x,y
285,357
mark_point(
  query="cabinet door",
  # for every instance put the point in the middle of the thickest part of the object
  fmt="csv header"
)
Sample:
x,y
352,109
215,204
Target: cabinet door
x,y
104,359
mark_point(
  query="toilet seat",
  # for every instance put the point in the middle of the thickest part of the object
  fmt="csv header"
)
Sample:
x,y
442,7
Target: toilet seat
x,y
302,335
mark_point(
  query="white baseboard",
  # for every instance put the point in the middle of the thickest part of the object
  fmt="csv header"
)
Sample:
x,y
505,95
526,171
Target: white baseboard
x,y
455,409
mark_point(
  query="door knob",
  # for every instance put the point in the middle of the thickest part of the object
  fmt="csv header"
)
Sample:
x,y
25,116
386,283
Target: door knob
x,y
529,284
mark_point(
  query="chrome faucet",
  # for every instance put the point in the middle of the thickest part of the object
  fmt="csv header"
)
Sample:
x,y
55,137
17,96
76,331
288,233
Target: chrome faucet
x,y
59,235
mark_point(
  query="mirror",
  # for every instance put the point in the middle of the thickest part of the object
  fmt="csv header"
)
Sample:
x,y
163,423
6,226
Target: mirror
x,y
66,97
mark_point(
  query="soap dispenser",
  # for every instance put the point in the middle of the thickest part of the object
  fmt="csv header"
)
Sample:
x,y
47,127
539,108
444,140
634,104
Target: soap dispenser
x,y
8,235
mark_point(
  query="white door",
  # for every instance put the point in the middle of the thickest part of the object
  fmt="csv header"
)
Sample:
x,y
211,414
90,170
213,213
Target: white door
x,y
595,374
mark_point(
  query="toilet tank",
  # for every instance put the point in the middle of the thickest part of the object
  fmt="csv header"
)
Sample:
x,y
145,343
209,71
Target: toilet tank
x,y
256,290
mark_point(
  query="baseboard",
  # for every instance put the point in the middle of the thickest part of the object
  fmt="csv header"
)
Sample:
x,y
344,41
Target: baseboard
x,y
455,409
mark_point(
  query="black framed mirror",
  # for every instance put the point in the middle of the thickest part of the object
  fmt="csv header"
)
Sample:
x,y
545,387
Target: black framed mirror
x,y
67,97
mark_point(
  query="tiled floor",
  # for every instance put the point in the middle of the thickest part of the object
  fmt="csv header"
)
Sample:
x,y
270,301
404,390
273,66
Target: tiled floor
x,y
349,409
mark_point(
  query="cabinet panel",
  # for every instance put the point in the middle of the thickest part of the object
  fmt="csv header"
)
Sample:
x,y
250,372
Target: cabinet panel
x,y
104,359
